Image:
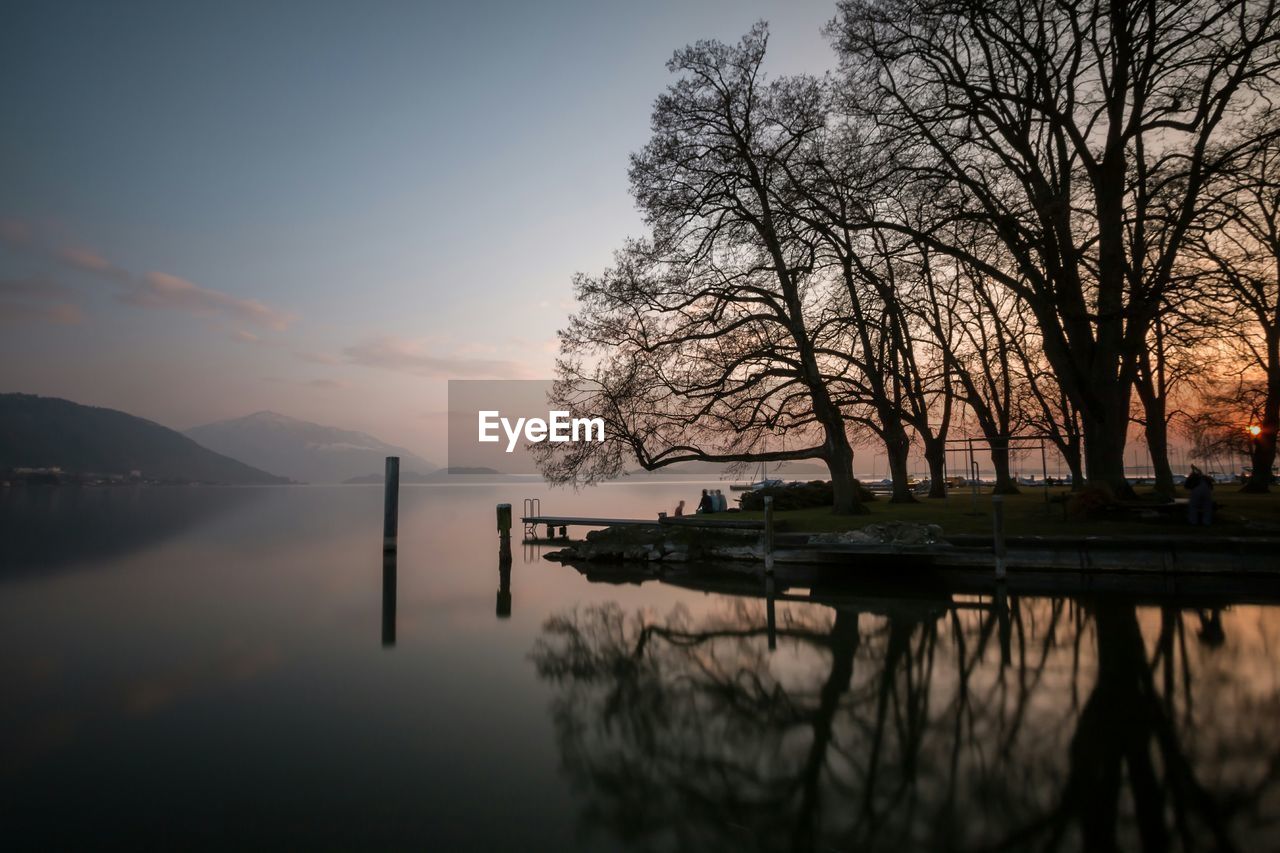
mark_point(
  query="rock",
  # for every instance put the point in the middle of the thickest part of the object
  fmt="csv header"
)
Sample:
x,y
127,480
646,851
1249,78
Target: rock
x,y
883,533
661,544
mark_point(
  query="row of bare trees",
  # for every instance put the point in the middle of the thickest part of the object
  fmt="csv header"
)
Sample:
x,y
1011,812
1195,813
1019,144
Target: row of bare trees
x,y
996,218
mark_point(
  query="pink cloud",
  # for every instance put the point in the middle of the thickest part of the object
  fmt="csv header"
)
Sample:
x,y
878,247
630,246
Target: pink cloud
x,y
56,314
152,290
37,300
162,290
86,259
409,356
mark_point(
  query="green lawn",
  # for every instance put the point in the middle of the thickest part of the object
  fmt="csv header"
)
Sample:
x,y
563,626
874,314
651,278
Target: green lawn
x,y
1027,514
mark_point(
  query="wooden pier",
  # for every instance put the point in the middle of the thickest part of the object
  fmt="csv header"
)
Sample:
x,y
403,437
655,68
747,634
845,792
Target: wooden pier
x,y
532,522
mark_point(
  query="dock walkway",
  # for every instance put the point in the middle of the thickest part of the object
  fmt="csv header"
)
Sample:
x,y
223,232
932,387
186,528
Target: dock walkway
x,y
531,522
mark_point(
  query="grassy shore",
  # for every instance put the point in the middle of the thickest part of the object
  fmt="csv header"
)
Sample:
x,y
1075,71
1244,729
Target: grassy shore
x,y
1028,514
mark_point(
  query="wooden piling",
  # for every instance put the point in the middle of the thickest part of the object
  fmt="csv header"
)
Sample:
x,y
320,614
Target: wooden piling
x,y
391,505
997,540
504,533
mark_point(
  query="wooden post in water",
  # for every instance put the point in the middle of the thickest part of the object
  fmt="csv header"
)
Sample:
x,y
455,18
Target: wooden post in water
x,y
997,541
504,533
768,533
503,606
391,505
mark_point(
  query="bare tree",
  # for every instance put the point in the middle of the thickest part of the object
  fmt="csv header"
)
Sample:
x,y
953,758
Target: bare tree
x,y
1240,247
706,342
1082,135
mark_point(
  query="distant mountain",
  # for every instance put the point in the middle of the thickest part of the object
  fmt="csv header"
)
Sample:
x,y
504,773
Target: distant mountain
x,y
303,451
46,432
440,475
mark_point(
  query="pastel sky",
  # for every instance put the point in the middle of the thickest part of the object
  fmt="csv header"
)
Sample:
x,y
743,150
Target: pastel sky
x,y
323,209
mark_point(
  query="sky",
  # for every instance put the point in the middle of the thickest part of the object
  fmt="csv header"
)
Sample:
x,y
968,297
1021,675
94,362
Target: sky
x,y
323,209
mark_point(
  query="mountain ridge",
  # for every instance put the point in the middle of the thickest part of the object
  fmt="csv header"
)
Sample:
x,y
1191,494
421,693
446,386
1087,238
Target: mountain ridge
x,y
302,450
47,432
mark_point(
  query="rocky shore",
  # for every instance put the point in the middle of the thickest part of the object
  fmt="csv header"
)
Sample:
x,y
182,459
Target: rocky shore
x,y
677,544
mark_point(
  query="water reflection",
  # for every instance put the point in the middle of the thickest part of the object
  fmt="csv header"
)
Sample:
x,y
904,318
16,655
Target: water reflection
x,y
388,598
993,722
46,528
503,608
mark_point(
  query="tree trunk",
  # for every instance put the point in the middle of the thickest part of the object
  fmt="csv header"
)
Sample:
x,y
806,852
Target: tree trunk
x,y
1070,451
1263,451
897,447
935,453
1005,484
1152,386
1157,433
1104,454
840,464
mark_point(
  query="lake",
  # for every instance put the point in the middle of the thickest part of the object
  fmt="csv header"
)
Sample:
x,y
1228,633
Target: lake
x,y
226,668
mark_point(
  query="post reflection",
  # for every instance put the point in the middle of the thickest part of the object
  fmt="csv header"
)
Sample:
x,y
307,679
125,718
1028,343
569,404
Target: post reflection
x,y
503,608
771,615
388,599
997,724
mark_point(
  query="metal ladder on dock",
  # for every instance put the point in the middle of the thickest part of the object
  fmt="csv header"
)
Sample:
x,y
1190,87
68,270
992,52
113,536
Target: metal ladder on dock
x,y
532,509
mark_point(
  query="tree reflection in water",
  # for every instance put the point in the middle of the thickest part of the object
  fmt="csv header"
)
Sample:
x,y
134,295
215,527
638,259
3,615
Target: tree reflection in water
x,y
991,723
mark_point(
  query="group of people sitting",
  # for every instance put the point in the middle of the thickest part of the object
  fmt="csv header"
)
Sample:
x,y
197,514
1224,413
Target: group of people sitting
x,y
712,501
1200,504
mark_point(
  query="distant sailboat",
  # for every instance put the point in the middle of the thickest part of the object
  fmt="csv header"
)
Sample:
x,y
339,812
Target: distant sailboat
x,y
763,483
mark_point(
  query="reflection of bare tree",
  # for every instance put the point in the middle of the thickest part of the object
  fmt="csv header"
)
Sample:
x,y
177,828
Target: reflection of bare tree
x,y
954,725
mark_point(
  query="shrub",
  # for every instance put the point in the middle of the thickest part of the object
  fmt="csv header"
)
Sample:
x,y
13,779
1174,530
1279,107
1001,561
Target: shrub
x,y
1091,502
814,493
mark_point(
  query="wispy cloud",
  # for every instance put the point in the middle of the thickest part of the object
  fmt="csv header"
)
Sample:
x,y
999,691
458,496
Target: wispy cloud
x,y
323,384
148,290
162,290
37,300
409,356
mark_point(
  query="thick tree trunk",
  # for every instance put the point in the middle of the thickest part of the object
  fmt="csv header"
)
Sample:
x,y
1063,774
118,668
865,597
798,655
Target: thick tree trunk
x,y
840,464
1104,454
935,453
897,447
1005,484
1153,392
1262,455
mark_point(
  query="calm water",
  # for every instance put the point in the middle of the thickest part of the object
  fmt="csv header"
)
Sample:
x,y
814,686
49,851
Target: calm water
x,y
216,668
